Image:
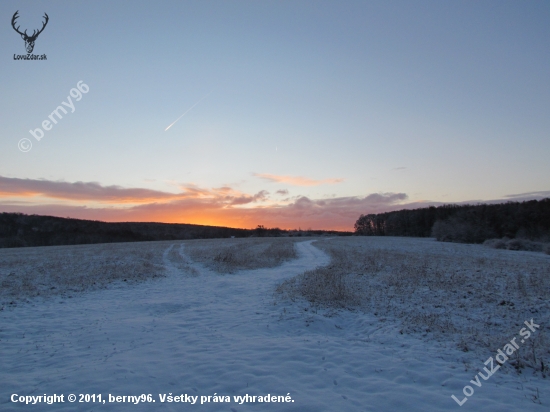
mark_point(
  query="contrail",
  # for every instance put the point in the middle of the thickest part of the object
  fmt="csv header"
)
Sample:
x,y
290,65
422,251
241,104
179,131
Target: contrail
x,y
188,110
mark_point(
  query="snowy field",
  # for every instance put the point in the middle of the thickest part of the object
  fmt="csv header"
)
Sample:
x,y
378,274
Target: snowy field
x,y
146,318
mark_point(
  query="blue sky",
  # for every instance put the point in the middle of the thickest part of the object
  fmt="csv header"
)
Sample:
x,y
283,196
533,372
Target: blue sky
x,y
312,112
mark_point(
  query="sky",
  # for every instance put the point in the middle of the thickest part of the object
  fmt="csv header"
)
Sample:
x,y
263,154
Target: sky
x,y
290,114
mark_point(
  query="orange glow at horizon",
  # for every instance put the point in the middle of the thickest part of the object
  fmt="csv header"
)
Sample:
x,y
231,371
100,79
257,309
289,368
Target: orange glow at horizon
x,y
217,219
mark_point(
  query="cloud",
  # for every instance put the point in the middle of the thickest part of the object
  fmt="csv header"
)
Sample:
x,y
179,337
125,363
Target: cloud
x,y
95,192
222,206
529,195
78,191
385,198
399,168
296,180
520,197
282,192
261,196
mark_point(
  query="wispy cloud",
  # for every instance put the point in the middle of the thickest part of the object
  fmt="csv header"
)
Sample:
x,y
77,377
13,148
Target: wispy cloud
x,y
78,191
529,195
95,192
296,180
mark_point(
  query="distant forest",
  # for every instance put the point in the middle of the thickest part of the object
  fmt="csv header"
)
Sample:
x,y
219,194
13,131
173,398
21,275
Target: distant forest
x,y
463,223
20,230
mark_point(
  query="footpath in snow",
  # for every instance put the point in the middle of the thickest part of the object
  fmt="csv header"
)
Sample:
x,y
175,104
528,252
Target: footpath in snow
x,y
228,336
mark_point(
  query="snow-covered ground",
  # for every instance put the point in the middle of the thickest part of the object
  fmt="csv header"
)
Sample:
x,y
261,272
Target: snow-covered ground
x,y
230,335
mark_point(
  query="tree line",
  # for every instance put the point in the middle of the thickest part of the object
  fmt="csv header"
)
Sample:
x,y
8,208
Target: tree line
x,y
20,230
463,223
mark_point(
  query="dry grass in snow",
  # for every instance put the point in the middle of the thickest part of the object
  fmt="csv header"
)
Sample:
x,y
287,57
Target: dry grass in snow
x,y
231,255
475,296
53,270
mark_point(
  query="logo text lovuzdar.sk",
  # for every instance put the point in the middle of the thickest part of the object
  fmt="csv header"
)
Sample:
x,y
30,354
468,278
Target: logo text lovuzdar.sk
x,y
29,39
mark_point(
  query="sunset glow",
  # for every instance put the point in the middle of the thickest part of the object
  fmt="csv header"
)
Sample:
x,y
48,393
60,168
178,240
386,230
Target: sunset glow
x,y
280,114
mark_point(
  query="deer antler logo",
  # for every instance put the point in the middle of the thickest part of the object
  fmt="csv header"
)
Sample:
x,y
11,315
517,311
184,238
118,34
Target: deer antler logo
x,y
29,40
